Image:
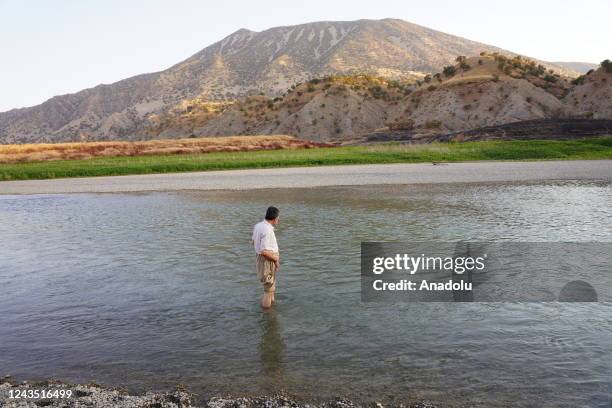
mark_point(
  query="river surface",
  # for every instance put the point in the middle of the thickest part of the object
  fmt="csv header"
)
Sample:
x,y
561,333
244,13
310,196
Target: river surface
x,y
155,289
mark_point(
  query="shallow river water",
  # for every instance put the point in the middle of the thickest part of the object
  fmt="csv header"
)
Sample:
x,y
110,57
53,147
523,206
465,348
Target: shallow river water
x,y
152,290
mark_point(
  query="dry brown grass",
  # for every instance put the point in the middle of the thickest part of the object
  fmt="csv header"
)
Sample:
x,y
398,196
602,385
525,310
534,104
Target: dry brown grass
x,y
86,150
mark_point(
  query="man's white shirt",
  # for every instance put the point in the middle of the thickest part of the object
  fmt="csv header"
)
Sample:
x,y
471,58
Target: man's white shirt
x,y
264,237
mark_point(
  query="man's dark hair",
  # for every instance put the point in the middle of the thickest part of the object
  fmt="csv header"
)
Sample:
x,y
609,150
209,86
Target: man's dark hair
x,y
272,213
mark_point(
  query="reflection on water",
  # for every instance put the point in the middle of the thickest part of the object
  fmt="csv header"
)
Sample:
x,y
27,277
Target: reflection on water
x,y
271,349
151,290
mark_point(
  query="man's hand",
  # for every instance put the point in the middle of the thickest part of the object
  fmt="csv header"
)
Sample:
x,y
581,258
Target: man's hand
x,y
277,264
270,256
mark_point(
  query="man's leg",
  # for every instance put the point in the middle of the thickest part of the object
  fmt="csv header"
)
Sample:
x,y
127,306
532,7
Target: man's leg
x,y
268,296
266,300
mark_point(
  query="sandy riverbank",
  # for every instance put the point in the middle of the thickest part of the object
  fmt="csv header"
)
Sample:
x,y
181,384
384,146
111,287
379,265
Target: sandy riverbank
x,y
420,173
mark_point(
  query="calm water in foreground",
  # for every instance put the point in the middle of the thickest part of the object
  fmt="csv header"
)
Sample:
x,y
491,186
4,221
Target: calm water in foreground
x,y
151,290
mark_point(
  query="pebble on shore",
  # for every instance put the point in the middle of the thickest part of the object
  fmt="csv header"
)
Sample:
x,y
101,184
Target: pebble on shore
x,y
95,396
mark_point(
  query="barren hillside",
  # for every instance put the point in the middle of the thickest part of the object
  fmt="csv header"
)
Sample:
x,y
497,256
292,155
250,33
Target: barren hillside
x,y
487,90
334,107
483,91
592,95
244,63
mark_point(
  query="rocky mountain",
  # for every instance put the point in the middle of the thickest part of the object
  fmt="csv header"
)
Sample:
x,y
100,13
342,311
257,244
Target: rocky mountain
x,y
592,95
243,63
475,92
484,91
333,107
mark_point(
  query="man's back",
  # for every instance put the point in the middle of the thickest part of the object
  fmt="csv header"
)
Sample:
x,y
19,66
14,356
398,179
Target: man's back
x,y
264,237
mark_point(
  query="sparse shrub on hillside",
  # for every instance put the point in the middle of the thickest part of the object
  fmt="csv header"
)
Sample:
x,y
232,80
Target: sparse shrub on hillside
x,y
499,58
432,124
467,107
464,66
431,88
590,71
507,69
480,62
534,70
579,80
607,65
550,78
378,92
449,70
310,88
438,76
427,78
518,62
407,124
461,59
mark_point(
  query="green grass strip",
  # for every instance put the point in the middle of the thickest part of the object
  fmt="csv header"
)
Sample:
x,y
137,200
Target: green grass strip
x,y
588,148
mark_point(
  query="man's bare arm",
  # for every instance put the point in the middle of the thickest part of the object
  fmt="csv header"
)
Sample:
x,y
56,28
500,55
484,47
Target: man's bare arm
x,y
270,255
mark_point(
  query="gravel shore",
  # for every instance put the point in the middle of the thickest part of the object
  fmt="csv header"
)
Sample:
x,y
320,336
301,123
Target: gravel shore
x,y
91,395
417,173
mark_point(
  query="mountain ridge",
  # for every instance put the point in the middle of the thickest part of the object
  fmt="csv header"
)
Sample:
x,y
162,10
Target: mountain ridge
x,y
578,66
241,64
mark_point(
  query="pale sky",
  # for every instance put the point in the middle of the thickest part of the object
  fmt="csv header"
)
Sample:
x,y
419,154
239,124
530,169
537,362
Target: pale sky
x,y
55,47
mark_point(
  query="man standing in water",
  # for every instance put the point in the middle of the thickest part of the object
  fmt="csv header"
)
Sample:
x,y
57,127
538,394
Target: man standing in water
x,y
267,261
